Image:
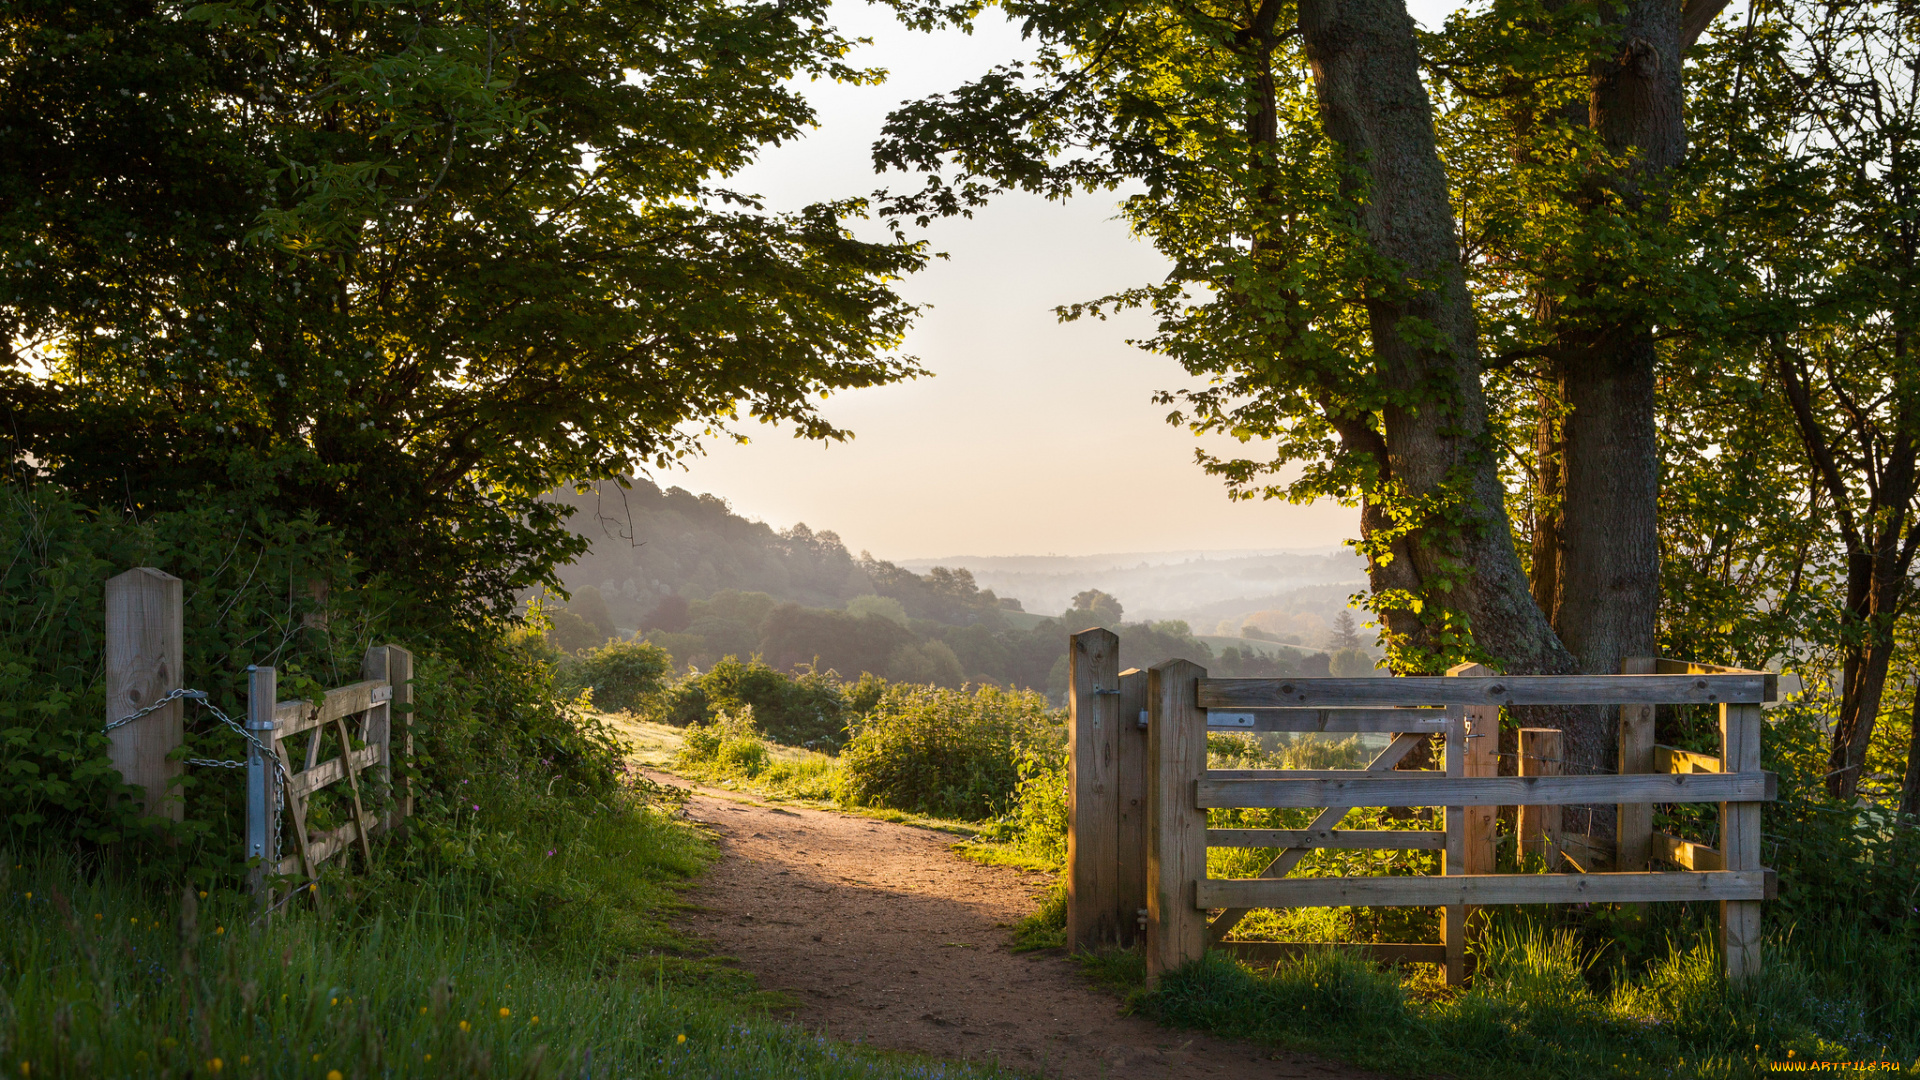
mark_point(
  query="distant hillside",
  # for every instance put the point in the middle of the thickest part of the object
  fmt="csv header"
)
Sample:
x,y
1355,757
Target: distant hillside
x,y
693,577
1294,595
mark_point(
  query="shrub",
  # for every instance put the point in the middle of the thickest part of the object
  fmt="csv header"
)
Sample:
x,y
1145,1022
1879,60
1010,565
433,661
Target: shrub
x,y
621,674
946,753
809,708
729,745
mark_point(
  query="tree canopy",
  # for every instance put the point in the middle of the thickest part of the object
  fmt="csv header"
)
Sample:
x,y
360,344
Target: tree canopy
x,y
412,265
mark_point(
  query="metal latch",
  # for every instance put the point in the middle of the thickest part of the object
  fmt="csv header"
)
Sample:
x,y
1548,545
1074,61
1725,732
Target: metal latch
x,y
1143,719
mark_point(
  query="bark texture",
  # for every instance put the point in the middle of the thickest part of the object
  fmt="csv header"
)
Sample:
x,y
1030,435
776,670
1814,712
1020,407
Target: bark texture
x,y
1366,69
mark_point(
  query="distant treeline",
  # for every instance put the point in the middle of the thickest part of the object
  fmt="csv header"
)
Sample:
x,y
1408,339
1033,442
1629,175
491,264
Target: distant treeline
x,y
690,575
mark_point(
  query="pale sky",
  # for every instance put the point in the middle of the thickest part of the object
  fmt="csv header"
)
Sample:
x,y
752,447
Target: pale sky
x,y
1032,437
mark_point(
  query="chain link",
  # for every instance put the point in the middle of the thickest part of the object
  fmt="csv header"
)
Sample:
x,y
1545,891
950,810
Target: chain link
x,y
266,752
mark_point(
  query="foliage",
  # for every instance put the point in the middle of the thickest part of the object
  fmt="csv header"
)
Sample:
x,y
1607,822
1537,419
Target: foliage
x,y
729,745
945,753
242,246
807,708
1544,1004
623,675
525,938
247,600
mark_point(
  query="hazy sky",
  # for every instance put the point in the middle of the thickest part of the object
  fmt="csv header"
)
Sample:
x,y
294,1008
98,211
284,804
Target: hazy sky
x,y
1032,437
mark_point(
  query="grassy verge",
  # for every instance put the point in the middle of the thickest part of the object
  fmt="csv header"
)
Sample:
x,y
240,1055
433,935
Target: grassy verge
x,y
527,938
1542,1006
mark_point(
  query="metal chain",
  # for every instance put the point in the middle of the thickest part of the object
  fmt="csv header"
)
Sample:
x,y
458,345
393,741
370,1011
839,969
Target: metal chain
x,y
266,753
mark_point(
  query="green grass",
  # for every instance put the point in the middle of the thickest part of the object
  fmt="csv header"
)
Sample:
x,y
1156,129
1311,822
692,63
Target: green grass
x,y
1545,1004
526,939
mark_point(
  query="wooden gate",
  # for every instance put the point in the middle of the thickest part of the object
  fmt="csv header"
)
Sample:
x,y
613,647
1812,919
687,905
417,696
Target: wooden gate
x,y
1140,789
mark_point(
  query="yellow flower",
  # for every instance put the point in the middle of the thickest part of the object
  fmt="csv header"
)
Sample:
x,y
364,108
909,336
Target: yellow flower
x,y
219,929
246,1059
333,1001
679,1038
334,1074
135,920
25,1068
215,1065
97,916
429,1057
314,887
504,1012
535,1020
423,1010
203,894
316,1057
464,1026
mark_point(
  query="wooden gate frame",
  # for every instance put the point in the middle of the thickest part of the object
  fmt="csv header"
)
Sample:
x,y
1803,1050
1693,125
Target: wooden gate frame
x,y
373,701
1139,792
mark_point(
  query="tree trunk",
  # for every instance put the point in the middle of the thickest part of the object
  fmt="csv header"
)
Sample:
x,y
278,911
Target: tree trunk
x,y
1873,601
1366,69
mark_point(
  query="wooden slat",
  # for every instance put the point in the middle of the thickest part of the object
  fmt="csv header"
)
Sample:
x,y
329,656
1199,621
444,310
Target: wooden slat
x,y
1498,690
1686,853
1267,953
1389,721
1307,774
1486,790
1364,839
1541,751
353,782
1672,759
323,847
1740,727
1618,888
1664,666
329,771
1633,822
1283,863
296,810
294,717
1093,811
1176,828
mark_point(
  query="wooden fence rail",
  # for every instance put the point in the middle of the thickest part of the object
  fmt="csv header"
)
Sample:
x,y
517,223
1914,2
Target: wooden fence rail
x,y
1143,735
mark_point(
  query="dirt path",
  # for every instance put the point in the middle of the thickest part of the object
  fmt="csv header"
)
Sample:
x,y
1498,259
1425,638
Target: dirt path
x,y
886,936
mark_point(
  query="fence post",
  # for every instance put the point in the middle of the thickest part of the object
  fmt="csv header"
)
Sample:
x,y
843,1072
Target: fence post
x,y
1479,755
1131,779
1633,829
1540,825
380,730
144,656
1093,810
1177,828
400,674
1740,727
263,782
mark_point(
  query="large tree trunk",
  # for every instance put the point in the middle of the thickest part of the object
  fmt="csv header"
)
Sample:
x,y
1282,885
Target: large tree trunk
x,y
1366,69
1609,567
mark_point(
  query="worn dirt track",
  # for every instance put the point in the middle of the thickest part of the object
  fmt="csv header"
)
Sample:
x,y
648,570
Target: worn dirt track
x,y
883,935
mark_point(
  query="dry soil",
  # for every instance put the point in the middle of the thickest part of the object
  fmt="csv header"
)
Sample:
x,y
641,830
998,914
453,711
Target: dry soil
x,y
883,935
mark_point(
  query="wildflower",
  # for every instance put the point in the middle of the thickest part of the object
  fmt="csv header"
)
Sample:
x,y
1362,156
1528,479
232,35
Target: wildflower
x,y
476,806
97,916
423,1010
246,1059
679,1038
535,1020
316,1057
215,1065
219,929
333,1001
429,1057
334,1074
464,1026
203,896
504,1012
26,1069
135,920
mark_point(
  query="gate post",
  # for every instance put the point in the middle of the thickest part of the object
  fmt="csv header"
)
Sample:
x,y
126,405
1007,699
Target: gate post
x,y
1540,755
1177,828
263,781
1093,804
1477,739
1131,882
1633,828
145,651
1740,727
